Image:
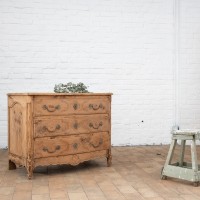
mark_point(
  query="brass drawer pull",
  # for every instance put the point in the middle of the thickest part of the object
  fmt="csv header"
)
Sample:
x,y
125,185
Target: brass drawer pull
x,y
75,145
51,108
87,140
47,150
95,106
91,125
75,106
44,128
97,145
75,125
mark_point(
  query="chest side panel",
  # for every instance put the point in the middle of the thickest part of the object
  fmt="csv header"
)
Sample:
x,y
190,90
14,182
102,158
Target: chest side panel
x,y
19,125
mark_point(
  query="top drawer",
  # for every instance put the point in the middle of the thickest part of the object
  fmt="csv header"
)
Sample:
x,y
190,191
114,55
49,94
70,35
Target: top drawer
x,y
64,105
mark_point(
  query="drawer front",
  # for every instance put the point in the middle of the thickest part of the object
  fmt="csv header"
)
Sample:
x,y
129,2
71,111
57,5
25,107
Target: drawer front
x,y
58,146
64,105
75,124
50,106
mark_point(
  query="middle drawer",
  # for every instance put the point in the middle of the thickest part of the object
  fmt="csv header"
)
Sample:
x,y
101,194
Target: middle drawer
x,y
74,124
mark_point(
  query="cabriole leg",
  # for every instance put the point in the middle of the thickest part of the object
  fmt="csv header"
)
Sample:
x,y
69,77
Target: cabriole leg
x,y
29,168
109,158
30,173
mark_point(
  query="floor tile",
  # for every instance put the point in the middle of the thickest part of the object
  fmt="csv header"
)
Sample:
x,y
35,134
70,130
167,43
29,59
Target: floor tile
x,y
58,193
77,196
40,190
6,190
40,197
22,196
6,197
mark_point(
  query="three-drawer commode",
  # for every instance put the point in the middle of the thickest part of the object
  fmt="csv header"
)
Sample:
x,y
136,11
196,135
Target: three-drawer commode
x,y
58,128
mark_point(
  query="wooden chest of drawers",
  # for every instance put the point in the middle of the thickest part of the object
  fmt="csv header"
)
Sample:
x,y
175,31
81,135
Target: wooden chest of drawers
x,y
51,128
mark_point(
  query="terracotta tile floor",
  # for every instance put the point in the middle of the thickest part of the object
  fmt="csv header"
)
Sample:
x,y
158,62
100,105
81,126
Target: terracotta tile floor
x,y
134,175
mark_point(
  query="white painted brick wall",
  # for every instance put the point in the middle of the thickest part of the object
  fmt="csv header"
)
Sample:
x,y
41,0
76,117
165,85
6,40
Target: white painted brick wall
x,y
189,64
120,46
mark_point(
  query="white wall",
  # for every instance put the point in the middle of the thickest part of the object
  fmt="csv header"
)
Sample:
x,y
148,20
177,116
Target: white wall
x,y
122,46
189,84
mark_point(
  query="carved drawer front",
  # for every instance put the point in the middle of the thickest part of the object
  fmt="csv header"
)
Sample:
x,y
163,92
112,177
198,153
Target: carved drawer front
x,y
50,105
62,105
58,146
83,105
51,127
75,124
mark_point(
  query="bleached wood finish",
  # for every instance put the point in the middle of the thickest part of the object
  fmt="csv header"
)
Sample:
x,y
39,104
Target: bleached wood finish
x,y
51,128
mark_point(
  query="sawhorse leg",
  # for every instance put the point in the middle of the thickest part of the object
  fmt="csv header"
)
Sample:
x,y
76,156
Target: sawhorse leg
x,y
182,152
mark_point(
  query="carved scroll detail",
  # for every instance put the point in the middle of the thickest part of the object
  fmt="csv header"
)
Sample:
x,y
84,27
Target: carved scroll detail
x,y
12,102
75,160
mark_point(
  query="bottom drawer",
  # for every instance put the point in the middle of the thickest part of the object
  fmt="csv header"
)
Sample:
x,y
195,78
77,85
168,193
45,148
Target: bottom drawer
x,y
58,146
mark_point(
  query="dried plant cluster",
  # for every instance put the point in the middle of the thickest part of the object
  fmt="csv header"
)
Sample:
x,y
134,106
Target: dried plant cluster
x,y
71,88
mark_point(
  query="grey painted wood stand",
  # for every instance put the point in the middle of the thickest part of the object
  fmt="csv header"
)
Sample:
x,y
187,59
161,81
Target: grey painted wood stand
x,y
180,169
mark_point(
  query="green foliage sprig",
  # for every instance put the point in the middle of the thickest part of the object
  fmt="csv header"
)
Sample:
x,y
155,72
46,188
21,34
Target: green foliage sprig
x,y
71,88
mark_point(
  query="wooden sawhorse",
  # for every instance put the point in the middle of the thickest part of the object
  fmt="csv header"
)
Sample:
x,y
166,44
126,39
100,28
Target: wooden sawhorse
x,y
183,170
